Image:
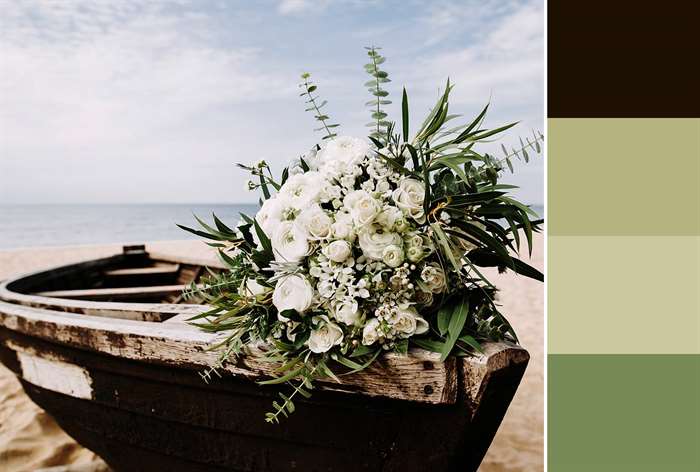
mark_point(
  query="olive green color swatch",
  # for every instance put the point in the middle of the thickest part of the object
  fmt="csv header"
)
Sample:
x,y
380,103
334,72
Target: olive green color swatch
x,y
623,294
621,413
623,176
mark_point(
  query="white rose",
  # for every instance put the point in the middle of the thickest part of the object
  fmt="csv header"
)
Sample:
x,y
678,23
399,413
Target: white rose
x,y
424,298
344,150
434,278
347,312
392,256
363,207
300,190
407,322
414,240
311,159
409,196
289,242
293,292
269,216
252,288
337,251
373,240
343,228
414,253
371,333
316,222
323,338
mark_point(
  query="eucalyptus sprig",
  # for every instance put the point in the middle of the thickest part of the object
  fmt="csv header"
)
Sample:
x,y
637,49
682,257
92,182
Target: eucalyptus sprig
x,y
374,86
315,106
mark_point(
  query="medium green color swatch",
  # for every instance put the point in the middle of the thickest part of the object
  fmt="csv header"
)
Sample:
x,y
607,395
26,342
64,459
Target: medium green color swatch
x,y
618,413
623,176
624,294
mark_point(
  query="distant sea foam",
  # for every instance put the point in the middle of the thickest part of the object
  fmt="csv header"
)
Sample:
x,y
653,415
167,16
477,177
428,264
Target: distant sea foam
x,y
64,225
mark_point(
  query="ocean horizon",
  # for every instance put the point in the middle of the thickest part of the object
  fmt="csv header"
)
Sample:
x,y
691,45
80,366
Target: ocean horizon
x,y
31,225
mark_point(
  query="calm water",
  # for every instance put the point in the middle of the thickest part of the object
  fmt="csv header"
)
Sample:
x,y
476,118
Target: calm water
x,y
59,225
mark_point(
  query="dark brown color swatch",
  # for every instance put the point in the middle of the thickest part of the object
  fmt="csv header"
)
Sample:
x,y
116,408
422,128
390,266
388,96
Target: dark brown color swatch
x,y
624,59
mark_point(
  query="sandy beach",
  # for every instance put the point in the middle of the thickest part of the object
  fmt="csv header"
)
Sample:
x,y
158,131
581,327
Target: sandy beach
x,y
30,440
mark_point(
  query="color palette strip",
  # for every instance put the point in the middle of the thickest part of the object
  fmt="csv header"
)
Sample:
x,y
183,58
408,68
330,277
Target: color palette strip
x,y
623,237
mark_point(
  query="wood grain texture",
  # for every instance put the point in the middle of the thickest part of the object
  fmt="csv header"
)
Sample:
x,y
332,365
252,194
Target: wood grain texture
x,y
417,377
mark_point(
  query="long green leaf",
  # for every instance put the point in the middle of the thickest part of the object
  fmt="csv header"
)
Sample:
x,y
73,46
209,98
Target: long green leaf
x,y
404,115
454,329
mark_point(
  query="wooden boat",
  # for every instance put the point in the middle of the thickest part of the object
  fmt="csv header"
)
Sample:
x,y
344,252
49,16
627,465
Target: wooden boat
x,y
103,347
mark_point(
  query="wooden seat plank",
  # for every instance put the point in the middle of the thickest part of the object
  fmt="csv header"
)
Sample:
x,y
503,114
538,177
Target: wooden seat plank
x,y
114,293
135,271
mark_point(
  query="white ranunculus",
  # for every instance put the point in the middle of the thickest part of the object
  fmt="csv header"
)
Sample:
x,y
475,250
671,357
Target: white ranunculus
x,y
371,332
409,196
392,255
363,207
293,292
344,150
316,221
252,288
347,312
323,338
343,227
373,240
434,278
289,242
301,190
337,251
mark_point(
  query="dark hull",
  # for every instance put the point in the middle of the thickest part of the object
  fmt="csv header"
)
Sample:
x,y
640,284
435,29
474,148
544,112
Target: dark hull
x,y
146,417
122,379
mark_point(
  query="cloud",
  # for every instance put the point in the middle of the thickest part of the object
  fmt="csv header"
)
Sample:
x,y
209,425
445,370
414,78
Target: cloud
x,y
166,95
287,7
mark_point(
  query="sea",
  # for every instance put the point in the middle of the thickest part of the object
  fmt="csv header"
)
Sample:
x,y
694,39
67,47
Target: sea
x,y
66,225
24,226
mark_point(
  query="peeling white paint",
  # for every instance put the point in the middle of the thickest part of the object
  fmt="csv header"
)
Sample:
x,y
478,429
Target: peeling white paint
x,y
57,376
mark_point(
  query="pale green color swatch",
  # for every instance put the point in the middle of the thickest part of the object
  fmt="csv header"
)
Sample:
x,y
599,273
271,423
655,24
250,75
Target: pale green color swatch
x,y
624,294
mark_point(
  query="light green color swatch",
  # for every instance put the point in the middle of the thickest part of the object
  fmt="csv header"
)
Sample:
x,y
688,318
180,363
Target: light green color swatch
x,y
624,294
623,176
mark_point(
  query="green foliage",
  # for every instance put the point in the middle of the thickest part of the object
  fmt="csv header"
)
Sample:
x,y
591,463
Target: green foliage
x,y
312,99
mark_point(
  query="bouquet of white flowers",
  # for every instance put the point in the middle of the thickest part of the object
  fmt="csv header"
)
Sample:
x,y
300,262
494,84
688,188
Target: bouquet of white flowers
x,y
369,245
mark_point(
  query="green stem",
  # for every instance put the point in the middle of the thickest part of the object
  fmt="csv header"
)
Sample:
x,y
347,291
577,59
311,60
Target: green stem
x,y
376,81
318,111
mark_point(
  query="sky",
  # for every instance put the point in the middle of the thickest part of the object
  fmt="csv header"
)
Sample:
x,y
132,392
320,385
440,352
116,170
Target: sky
x,y
125,101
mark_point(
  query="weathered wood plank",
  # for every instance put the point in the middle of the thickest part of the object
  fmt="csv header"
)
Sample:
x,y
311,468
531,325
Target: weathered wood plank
x,y
117,293
418,377
164,269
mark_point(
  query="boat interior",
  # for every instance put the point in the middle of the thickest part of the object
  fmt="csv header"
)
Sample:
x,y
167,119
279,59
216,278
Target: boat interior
x,y
134,276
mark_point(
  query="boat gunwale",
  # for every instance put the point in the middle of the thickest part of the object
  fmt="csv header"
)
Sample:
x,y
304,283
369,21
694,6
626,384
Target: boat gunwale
x,y
92,326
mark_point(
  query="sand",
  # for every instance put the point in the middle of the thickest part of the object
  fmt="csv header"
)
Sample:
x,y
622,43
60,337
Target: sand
x,y
30,440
